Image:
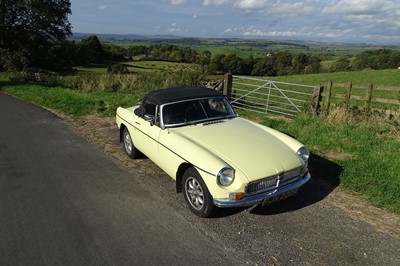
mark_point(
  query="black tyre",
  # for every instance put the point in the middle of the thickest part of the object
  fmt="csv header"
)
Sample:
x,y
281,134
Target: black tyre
x,y
196,194
130,149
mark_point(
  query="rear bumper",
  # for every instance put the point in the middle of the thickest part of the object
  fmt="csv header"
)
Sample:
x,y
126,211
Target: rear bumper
x,y
273,196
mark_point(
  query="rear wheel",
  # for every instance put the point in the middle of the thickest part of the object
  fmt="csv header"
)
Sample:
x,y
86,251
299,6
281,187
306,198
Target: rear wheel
x,y
130,149
196,194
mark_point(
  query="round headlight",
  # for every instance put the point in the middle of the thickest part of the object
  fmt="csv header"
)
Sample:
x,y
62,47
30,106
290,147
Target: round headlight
x,y
304,153
226,176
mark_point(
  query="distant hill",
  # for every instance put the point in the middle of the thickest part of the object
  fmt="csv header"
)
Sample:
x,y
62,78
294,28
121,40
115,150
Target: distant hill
x,y
174,39
123,37
341,49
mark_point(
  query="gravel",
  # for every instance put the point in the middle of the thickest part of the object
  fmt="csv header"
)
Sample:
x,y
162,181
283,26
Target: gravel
x,y
322,225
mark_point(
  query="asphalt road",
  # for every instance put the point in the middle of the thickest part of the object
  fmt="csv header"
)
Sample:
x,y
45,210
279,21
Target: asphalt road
x,y
63,202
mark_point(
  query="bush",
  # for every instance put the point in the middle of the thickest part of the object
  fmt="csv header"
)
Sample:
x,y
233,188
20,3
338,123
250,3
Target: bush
x,y
117,69
143,82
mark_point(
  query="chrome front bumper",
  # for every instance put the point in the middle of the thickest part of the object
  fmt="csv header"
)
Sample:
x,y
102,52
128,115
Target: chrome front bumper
x,y
266,197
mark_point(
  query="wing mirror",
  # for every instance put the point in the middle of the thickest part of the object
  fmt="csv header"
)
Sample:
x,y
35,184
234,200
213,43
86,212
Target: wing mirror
x,y
149,118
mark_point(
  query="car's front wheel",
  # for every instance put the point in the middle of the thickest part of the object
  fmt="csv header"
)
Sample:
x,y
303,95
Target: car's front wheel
x,y
130,149
196,194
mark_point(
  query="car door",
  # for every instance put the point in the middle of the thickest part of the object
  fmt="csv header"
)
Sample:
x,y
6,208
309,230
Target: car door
x,y
148,131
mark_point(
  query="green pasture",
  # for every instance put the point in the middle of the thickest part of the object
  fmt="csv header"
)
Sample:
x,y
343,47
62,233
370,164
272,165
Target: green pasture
x,y
239,51
386,77
258,48
135,67
151,66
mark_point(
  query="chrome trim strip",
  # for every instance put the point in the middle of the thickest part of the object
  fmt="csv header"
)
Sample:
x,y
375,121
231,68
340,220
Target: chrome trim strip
x,y
259,198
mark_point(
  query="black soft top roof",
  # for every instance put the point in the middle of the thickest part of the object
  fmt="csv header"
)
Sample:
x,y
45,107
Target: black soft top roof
x,y
169,95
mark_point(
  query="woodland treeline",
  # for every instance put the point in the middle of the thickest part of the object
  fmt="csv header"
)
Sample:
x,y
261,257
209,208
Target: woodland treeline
x,y
272,64
34,34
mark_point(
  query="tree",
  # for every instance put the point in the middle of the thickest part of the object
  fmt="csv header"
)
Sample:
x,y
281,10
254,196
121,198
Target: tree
x,y
216,65
264,67
377,59
283,63
114,52
232,64
341,65
93,49
205,58
29,28
248,65
299,63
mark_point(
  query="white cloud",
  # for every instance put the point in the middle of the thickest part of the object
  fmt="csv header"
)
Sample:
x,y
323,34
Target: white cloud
x,y
355,7
214,2
293,9
173,28
272,7
336,20
178,2
251,4
368,13
304,32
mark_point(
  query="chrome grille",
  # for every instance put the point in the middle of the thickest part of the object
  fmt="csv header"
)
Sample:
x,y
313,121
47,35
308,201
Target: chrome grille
x,y
261,185
271,183
290,177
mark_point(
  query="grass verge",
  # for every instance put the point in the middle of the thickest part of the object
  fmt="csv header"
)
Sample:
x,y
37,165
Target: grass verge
x,y
366,153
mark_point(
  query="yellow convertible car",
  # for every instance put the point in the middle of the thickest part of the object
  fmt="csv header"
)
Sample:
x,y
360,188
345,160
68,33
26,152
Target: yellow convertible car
x,y
216,158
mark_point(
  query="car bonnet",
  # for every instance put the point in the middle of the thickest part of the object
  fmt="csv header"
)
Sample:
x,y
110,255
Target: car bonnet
x,y
244,146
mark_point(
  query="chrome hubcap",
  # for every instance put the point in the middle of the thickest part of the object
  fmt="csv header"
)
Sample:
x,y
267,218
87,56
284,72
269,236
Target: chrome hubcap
x,y
194,193
128,142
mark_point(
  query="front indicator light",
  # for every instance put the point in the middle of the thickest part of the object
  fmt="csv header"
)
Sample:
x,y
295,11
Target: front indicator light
x,y
236,196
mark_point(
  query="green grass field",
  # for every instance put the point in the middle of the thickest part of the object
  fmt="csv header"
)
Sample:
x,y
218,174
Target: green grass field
x,y
257,48
386,77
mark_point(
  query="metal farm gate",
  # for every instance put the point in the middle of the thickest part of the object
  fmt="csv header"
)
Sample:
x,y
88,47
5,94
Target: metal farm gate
x,y
266,96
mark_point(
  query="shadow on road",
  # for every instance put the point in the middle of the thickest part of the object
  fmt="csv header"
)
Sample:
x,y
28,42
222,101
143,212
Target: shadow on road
x,y
325,178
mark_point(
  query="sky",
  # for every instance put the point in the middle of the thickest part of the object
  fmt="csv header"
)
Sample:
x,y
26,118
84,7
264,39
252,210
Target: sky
x,y
348,21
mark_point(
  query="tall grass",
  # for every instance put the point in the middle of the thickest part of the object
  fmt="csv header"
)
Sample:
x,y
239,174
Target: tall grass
x,y
84,95
75,103
366,150
138,83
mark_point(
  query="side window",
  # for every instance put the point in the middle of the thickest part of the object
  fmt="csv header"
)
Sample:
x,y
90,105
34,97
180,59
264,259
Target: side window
x,y
216,105
149,109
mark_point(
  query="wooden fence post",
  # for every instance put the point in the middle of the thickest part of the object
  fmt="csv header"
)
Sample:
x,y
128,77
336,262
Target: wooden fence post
x,y
316,100
228,79
348,94
368,97
328,97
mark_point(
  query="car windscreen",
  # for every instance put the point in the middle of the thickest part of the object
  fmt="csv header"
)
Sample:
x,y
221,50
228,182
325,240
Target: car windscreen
x,y
196,111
